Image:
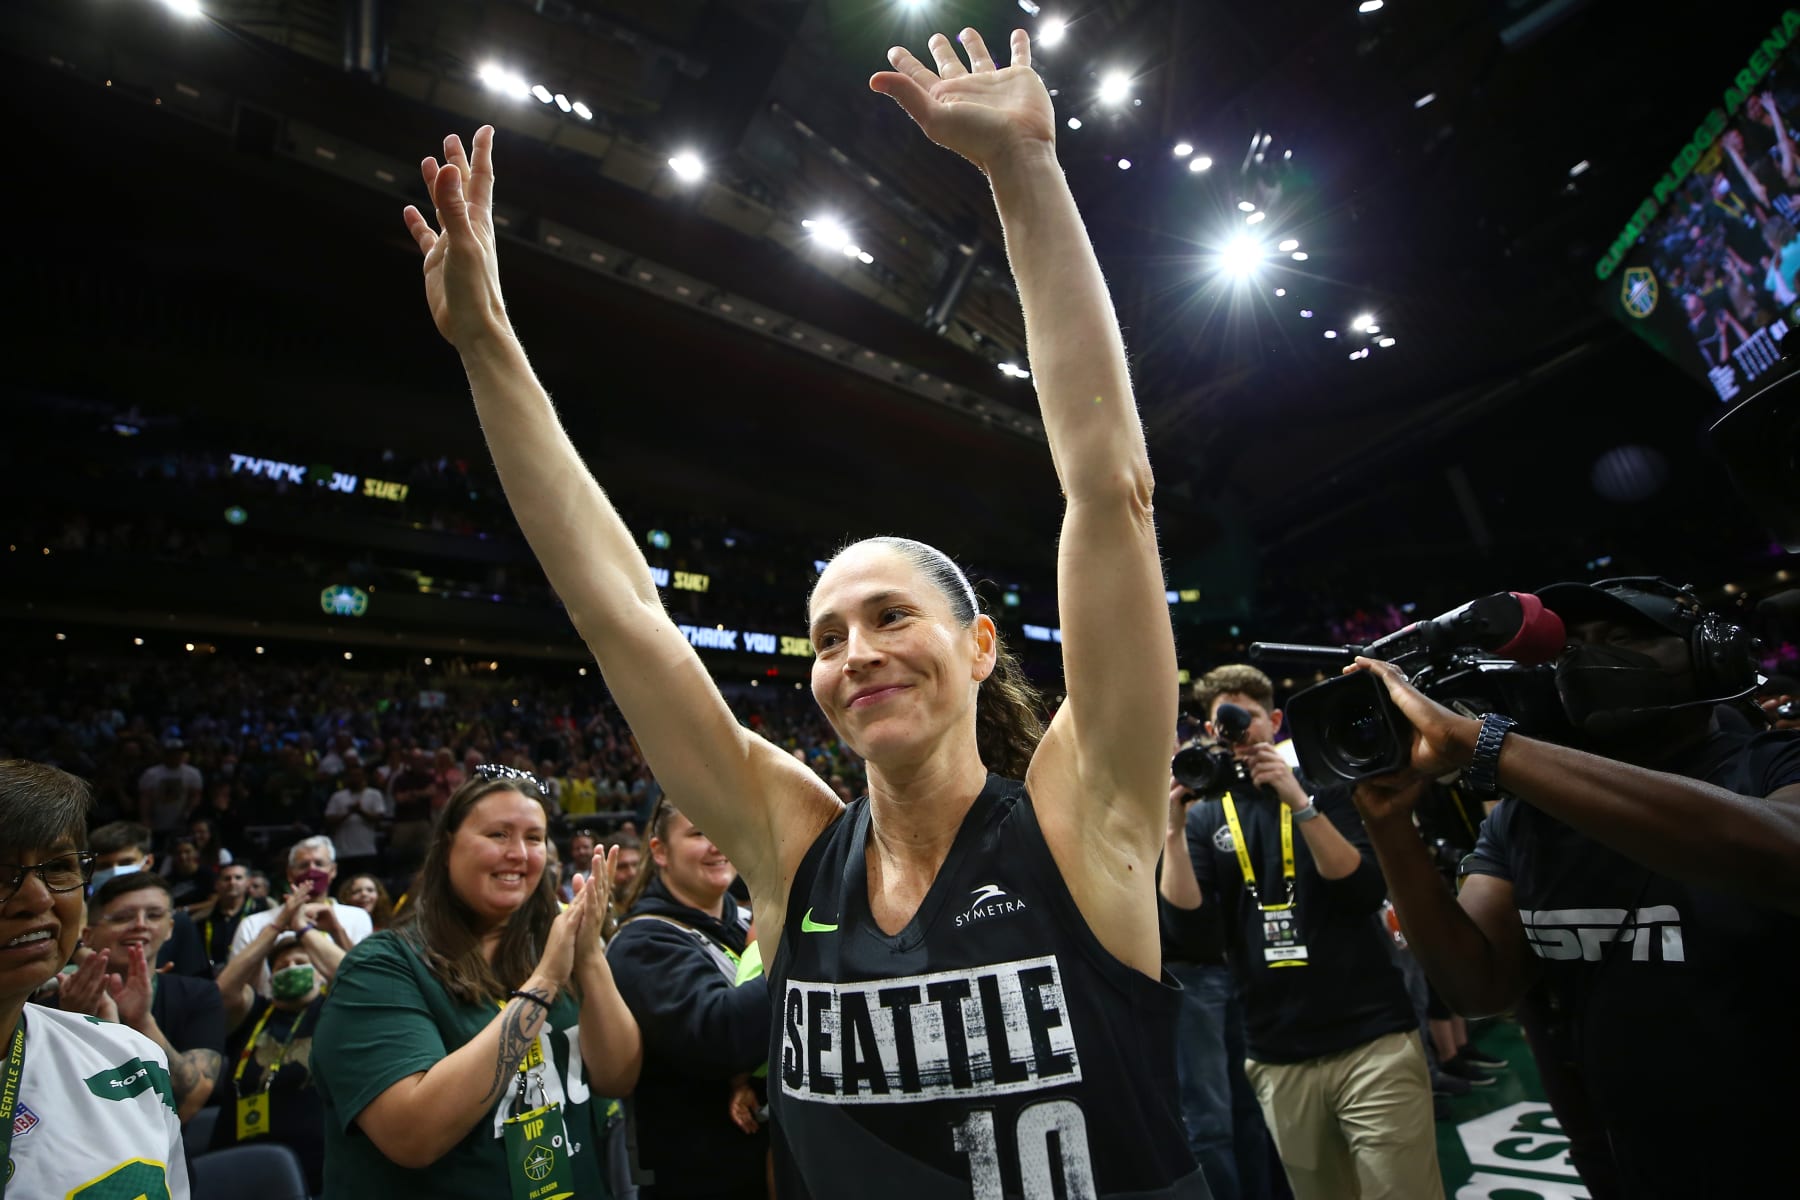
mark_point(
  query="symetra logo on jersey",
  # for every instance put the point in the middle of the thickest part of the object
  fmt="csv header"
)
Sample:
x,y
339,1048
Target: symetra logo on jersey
x,y
989,900
1654,933
985,1031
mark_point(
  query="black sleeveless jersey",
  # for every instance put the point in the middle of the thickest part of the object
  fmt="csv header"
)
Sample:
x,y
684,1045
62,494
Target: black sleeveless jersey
x,y
991,1050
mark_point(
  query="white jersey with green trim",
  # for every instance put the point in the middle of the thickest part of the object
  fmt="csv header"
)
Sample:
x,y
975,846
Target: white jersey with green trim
x,y
95,1117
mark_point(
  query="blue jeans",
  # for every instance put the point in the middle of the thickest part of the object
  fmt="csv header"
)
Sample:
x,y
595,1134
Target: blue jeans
x,y
1218,1106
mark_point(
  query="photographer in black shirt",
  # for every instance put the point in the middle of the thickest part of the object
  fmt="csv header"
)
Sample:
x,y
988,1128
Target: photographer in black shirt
x,y
1333,1043
1650,878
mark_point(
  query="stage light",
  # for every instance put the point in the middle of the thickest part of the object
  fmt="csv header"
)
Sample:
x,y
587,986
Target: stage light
x,y
1385,342
1372,330
829,232
1051,31
542,93
1362,322
1074,122
864,257
1241,256
1427,98
1299,256
1579,168
1203,163
1369,6
190,646
1288,245
428,661
1115,87
1124,164
1246,206
259,650
137,641
582,671
183,8
851,250
498,79
1281,291
62,637
1330,334
583,111
562,102
1255,218
347,656
1307,313
1183,149
687,166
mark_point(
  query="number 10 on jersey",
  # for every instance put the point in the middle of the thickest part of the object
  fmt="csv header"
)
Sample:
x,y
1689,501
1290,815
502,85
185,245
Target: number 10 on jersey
x,y
974,1136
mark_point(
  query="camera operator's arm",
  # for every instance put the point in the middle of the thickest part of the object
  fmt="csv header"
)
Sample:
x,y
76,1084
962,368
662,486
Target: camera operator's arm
x,y
1179,886
1471,945
1332,853
1679,827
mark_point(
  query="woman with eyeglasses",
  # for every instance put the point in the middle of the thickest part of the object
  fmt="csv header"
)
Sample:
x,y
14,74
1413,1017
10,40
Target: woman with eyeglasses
x,y
965,962
676,958
468,1050
86,1108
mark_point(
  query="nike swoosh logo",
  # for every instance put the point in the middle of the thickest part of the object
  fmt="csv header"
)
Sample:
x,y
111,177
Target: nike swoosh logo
x,y
808,925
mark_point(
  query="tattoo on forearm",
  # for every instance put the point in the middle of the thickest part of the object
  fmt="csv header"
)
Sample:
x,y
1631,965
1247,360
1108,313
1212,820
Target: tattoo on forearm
x,y
191,1068
519,1026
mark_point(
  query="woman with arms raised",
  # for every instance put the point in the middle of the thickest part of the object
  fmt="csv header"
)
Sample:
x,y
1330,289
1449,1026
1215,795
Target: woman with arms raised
x,y
966,961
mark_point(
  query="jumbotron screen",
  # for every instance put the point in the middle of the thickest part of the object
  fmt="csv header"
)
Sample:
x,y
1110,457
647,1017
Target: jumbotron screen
x,y
1705,270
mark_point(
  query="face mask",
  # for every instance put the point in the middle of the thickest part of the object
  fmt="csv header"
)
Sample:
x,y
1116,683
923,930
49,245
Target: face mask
x,y
106,873
1603,688
292,983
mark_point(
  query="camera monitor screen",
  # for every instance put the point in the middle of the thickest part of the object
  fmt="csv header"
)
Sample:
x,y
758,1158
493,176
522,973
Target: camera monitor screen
x,y
1707,269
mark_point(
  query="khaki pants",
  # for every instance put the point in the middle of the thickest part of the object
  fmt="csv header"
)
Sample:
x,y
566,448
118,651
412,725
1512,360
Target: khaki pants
x,y
1355,1125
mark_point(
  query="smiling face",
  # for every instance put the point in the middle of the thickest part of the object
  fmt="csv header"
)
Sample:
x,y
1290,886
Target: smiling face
x,y
896,673
142,917
497,855
361,893
39,928
694,870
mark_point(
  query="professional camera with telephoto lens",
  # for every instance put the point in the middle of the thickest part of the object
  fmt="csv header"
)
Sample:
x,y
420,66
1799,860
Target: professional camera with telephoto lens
x,y
1210,771
1489,656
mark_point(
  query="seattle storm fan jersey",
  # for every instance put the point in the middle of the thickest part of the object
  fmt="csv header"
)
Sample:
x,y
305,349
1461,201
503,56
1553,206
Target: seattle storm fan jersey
x,y
95,1118
992,1049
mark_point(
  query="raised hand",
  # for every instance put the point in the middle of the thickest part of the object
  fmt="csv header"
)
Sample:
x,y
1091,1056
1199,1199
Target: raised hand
x,y
1442,740
84,990
561,948
462,271
133,994
291,907
983,112
593,893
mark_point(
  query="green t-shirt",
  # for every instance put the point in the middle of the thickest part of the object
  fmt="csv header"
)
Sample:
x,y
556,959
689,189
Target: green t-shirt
x,y
388,1018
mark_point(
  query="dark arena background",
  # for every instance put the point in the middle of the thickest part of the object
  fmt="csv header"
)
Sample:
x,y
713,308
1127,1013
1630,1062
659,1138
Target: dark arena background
x,y
1424,300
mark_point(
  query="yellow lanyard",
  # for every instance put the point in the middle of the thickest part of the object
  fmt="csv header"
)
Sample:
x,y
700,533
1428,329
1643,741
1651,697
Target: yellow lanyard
x,y
237,1076
1243,856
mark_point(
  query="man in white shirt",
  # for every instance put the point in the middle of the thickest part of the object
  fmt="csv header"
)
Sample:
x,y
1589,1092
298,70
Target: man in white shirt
x,y
167,790
353,816
312,861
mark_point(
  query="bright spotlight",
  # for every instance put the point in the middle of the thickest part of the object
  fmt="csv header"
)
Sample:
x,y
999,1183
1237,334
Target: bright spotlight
x,y
1200,164
1115,87
583,111
1289,245
1427,98
1299,256
542,93
1281,291
183,8
864,257
1052,31
687,166
1307,313
1579,168
1362,322
1124,164
1183,149
1372,330
829,232
1255,218
1241,256
562,102
1330,334
1385,342
1074,122
1369,6
499,79
1246,206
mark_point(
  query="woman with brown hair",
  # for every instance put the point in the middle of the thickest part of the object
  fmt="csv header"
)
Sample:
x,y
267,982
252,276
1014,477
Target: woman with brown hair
x,y
676,961
477,1038
368,893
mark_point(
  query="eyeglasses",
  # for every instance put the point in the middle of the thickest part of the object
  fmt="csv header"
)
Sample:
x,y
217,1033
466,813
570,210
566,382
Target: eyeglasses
x,y
492,771
120,920
64,873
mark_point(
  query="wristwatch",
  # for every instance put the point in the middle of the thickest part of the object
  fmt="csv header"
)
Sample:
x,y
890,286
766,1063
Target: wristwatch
x,y
1309,813
1483,772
